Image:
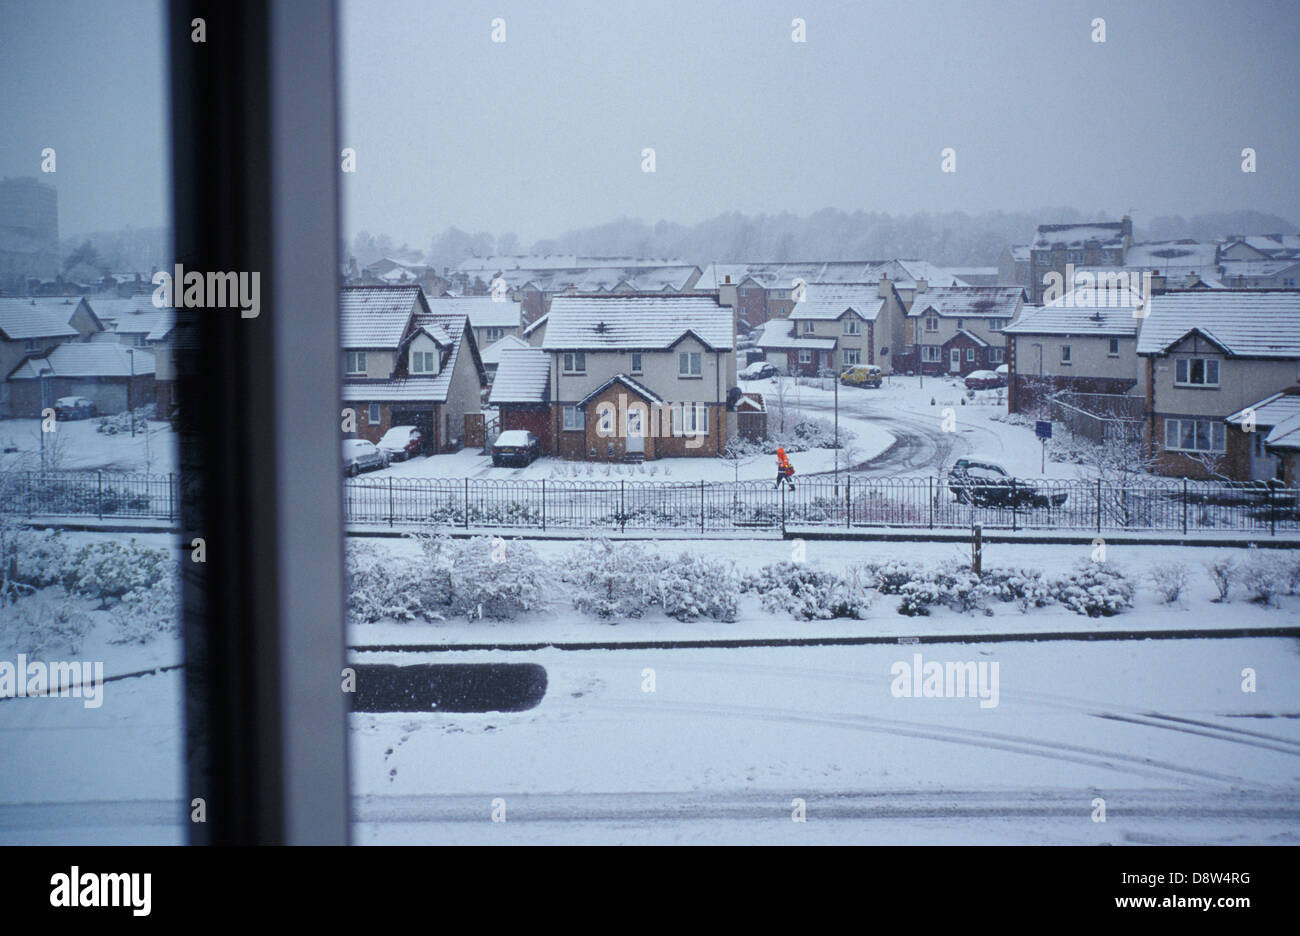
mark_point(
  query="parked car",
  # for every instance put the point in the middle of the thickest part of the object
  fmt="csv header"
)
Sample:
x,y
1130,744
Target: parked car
x,y
401,442
360,455
984,380
516,446
987,484
759,370
73,407
1004,371
862,375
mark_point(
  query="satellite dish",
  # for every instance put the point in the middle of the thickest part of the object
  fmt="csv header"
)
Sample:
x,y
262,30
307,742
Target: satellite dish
x,y
884,351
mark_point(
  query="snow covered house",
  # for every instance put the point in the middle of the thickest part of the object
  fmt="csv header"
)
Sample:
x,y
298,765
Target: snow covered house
x,y
1272,427
1204,358
32,327
834,326
115,377
1085,341
521,393
491,319
1097,243
406,365
640,376
492,353
958,329
536,283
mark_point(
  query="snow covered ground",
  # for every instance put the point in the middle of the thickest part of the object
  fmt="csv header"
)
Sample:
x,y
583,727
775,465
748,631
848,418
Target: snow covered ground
x,y
78,446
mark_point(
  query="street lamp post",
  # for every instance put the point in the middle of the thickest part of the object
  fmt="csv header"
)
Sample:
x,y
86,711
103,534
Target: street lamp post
x,y
44,405
131,380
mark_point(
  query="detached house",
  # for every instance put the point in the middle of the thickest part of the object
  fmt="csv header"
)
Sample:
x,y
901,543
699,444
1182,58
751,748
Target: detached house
x,y
836,326
114,376
490,319
1085,341
1204,358
32,327
640,376
958,329
405,365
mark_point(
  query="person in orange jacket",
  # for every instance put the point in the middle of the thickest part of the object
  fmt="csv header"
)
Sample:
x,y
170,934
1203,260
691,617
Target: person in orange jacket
x,y
784,470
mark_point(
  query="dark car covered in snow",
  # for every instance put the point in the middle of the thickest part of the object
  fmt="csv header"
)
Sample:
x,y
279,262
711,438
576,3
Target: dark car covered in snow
x,y
516,447
982,483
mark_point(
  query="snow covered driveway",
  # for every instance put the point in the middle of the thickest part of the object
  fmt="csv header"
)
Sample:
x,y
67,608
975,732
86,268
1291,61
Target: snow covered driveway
x,y
729,740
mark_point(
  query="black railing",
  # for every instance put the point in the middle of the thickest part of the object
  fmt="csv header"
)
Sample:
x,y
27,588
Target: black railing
x,y
1171,505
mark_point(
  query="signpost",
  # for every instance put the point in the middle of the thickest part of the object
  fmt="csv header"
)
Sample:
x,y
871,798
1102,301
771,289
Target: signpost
x,y
1043,429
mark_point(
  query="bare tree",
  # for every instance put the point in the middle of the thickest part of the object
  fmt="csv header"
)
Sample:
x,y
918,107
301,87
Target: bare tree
x,y
1121,462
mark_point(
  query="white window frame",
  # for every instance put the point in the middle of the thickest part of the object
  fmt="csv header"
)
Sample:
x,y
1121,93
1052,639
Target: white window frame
x,y
696,424
571,419
931,354
374,416
33,344
638,365
575,362
932,323
690,364
493,334
1185,366
417,358
1066,352
805,356
852,325
970,355
809,327
852,357
997,355
355,357
1216,434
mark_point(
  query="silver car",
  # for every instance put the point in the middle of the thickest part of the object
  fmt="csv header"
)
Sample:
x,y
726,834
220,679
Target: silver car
x,y
360,455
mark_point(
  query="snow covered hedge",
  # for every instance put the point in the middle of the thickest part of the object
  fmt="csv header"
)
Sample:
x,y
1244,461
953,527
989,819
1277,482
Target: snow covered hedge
x,y
807,593
612,580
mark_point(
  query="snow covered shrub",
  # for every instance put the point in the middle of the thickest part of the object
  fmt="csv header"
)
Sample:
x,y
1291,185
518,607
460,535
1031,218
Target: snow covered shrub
x,y
121,422
1222,571
108,570
48,622
807,593
949,585
1262,577
691,587
1168,579
888,578
483,577
383,587
613,579
1095,589
35,558
144,614
1025,587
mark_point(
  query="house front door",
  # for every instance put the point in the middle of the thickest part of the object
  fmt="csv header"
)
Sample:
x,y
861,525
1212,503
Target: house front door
x,y
635,431
954,360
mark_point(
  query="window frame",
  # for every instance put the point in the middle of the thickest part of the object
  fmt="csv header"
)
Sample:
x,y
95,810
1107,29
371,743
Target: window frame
x,y
693,362
1187,366
360,357
578,421
574,363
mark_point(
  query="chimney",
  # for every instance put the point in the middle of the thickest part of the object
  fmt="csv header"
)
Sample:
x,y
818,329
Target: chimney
x,y
922,285
884,287
1190,280
727,278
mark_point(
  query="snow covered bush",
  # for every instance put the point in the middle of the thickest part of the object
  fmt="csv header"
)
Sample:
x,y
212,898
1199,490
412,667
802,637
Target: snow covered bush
x,y
34,558
949,585
109,570
50,622
692,586
383,587
807,593
144,614
1222,572
1026,588
612,579
1262,577
121,422
486,577
889,577
1168,579
1095,589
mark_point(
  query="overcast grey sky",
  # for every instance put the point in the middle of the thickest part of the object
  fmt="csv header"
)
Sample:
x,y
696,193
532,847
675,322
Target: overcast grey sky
x,y
544,132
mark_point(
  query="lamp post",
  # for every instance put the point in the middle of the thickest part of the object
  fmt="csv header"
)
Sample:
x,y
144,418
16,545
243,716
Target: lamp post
x,y
131,380
40,375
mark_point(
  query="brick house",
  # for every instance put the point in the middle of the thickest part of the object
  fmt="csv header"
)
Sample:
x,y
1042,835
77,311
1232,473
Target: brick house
x,y
640,376
405,365
521,393
1204,357
836,326
32,327
1271,426
1085,341
958,329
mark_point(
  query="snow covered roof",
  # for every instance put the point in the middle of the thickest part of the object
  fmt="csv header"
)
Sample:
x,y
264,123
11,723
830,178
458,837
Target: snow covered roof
x,y
604,279
376,316
827,302
779,335
1019,252
37,318
536,325
88,359
973,337
969,302
483,311
1273,245
1258,267
500,264
492,353
1186,256
635,386
1270,411
523,376
610,323
1285,435
1247,323
902,272
142,321
446,329
1107,233
1083,311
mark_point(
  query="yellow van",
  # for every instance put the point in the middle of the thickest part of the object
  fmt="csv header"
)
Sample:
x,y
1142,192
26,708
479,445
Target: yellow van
x,y
862,375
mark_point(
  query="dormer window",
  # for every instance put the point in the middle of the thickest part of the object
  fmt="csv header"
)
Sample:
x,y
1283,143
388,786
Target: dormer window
x,y
356,362
493,334
32,345
422,362
809,327
932,323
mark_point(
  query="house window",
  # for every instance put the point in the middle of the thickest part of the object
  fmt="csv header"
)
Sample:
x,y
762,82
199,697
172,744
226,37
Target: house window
x,y
852,357
1113,349
356,362
805,356
689,364
931,354
997,324
636,362
493,334
932,323
997,355
960,323
695,417
575,362
809,327
1065,354
852,325
1195,435
572,418
372,414
32,345
970,354
1196,372
421,362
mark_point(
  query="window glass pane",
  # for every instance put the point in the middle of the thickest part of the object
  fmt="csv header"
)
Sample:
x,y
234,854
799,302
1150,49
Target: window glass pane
x,y
1181,365
1211,371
